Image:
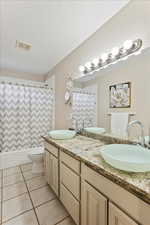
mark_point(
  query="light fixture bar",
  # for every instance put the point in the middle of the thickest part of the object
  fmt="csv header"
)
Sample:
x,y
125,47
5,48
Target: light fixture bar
x,y
129,47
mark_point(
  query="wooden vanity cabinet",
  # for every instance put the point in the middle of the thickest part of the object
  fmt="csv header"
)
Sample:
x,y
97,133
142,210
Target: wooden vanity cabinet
x,y
51,168
89,197
117,217
54,174
71,204
93,206
47,166
96,209
127,208
70,185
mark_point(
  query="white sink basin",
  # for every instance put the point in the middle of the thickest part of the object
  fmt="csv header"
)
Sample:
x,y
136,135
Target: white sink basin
x,y
127,157
62,134
95,130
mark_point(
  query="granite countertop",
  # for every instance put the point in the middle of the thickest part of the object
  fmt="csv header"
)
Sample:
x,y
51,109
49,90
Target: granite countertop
x,y
88,150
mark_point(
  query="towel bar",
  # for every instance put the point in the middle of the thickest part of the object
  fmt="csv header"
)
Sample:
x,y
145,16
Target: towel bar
x,y
130,113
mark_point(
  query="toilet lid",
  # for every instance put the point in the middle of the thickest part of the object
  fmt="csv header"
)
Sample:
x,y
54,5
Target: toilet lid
x,y
37,152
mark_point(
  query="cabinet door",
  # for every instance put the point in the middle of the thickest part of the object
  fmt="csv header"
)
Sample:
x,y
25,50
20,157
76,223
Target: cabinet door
x,y
47,166
70,180
54,173
117,217
93,206
70,203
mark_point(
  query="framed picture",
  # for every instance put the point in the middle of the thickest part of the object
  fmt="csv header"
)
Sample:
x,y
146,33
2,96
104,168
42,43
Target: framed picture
x,y
120,95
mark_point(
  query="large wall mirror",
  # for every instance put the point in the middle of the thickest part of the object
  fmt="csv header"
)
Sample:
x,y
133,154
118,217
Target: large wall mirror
x,y
110,98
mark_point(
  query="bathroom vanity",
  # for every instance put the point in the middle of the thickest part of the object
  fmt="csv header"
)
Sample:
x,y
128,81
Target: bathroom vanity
x,y
93,192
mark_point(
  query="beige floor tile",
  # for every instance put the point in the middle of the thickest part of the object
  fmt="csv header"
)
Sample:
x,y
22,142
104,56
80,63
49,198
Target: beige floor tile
x,y
11,171
16,206
14,190
26,167
42,195
27,218
51,213
67,221
13,179
29,175
36,183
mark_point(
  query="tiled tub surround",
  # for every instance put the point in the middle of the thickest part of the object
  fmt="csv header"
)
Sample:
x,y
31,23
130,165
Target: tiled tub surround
x,y
26,199
87,150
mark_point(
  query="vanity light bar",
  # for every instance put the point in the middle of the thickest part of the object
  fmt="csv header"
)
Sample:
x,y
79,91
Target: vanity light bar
x,y
129,47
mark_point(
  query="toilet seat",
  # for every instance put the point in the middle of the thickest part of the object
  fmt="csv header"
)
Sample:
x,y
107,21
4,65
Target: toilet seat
x,y
37,152
36,156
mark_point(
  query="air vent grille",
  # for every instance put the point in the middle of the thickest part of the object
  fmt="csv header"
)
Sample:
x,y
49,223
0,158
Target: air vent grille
x,y
23,45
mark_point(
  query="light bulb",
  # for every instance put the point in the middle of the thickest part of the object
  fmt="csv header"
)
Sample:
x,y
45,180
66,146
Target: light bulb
x,y
96,61
91,72
115,51
88,65
82,68
104,57
128,44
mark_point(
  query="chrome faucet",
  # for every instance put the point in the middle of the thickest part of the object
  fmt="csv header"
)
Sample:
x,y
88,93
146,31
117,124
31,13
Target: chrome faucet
x,y
142,130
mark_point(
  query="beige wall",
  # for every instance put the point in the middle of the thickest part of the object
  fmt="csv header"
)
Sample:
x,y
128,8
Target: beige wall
x,y
21,75
130,23
137,71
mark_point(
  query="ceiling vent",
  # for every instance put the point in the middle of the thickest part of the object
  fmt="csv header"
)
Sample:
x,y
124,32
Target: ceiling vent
x,y
23,45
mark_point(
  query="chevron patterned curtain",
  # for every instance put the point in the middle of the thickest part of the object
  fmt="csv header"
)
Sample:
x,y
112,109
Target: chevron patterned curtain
x,y
83,107
26,114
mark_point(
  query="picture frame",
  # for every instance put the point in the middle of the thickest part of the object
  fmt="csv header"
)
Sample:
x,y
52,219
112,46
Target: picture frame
x,y
120,95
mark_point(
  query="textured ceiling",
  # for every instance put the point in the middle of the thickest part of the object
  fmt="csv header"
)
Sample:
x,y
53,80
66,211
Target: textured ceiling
x,y
54,28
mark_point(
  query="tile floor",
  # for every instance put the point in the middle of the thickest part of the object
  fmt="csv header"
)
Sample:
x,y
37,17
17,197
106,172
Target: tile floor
x,y
26,199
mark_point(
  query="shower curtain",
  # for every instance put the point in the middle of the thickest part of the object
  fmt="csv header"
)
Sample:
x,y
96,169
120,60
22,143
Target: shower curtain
x,y
84,108
26,113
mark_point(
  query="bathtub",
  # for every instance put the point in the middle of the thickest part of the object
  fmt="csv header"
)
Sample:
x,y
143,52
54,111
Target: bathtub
x,y
15,158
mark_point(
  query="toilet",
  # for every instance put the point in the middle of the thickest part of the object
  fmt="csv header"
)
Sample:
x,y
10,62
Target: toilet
x,y
37,158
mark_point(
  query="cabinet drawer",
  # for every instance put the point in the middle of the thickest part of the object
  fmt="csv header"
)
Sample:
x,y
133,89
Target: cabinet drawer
x,y
51,148
71,180
74,164
70,203
129,203
116,216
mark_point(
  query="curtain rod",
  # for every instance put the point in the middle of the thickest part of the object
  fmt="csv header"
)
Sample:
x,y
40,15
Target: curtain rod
x,y
23,83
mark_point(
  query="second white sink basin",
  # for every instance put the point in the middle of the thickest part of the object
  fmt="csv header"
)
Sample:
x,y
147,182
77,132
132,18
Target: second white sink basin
x,y
95,130
127,157
62,134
